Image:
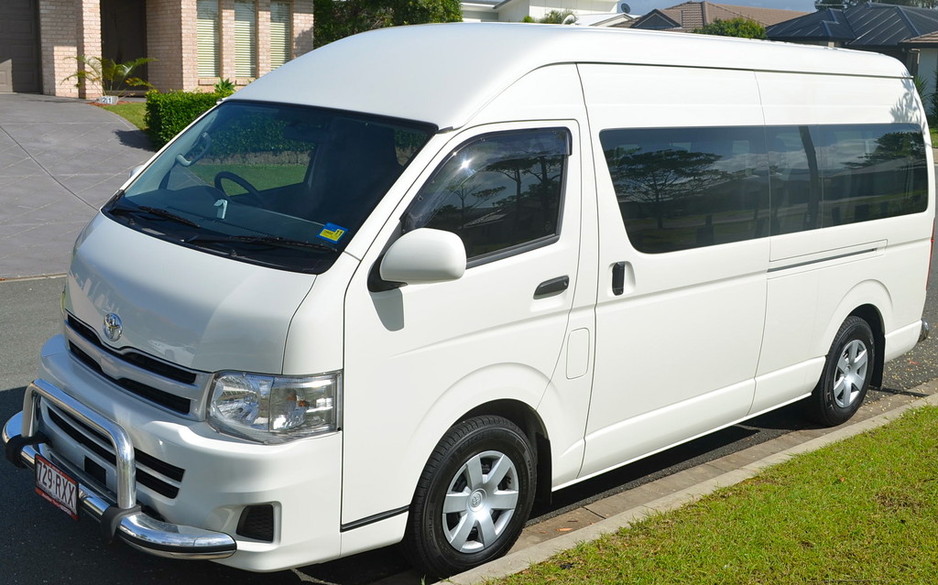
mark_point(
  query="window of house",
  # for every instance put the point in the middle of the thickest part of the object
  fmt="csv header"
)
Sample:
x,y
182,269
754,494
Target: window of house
x,y
245,34
501,193
281,34
207,38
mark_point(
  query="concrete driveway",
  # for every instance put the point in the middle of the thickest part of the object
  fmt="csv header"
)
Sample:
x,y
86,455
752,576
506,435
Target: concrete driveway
x,y
60,160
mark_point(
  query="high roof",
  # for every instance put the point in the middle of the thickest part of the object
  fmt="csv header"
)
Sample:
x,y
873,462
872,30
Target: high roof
x,y
445,73
867,26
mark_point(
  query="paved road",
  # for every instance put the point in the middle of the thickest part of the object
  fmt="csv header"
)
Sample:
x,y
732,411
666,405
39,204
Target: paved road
x,y
60,160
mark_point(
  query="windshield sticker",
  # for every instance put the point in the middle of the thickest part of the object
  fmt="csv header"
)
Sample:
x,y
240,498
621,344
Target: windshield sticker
x,y
332,233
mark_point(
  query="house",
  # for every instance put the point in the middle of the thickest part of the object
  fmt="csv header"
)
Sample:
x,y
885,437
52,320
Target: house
x,y
690,16
518,10
194,43
908,34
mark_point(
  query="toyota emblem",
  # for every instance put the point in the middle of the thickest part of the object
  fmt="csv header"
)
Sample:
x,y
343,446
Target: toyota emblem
x,y
112,326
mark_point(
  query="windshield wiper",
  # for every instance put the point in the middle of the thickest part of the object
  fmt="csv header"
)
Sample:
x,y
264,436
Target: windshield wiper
x,y
160,213
273,241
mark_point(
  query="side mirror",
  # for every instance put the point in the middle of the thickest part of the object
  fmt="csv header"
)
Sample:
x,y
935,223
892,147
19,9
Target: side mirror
x,y
424,255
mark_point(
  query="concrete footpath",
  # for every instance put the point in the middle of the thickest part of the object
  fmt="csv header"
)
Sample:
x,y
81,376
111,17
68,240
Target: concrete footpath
x,y
541,541
60,160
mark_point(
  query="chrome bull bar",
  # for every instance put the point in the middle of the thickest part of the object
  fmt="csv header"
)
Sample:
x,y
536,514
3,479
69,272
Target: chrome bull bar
x,y
121,518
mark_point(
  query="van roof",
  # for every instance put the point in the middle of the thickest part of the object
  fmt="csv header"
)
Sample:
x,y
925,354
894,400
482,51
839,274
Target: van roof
x,y
445,73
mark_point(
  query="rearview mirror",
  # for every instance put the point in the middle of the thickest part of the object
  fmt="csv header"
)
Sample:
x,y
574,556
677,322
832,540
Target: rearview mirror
x,y
424,255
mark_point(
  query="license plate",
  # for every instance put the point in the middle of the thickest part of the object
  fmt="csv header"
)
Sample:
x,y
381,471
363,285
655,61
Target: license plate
x,y
56,487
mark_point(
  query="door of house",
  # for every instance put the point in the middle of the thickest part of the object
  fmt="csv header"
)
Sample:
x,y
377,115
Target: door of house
x,y
19,47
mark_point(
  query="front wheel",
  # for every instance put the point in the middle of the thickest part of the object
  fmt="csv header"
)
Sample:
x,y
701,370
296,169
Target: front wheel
x,y
473,497
847,373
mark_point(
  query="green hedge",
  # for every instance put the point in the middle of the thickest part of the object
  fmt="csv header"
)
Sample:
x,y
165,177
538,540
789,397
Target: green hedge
x,y
169,113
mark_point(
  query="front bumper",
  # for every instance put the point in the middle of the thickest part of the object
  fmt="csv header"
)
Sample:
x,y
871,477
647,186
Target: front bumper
x,y
120,517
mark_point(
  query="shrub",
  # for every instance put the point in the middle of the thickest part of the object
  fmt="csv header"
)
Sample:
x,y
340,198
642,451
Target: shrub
x,y
225,87
114,78
734,27
933,98
169,113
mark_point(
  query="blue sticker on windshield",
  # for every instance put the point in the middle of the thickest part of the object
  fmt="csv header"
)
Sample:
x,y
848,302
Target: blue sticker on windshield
x,y
332,233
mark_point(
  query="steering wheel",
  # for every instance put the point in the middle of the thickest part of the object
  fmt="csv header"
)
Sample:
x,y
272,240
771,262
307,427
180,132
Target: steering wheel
x,y
252,193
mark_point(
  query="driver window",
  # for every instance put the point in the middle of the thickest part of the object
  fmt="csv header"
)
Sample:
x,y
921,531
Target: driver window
x,y
501,193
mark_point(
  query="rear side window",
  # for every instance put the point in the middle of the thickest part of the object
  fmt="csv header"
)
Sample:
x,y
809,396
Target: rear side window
x,y
681,188
825,176
684,188
501,193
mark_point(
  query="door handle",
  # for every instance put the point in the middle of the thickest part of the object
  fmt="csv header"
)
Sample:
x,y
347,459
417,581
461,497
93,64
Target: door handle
x,y
552,287
618,278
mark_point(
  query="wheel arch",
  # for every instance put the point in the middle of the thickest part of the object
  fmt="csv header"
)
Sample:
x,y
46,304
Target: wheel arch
x,y
871,301
530,422
874,319
511,391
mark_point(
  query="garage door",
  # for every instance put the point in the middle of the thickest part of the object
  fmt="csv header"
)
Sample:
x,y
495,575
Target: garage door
x,y
19,47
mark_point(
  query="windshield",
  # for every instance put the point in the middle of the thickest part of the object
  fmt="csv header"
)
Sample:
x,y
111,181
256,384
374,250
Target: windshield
x,y
276,185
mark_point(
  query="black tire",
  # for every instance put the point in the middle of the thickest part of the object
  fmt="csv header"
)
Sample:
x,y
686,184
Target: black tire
x,y
487,512
846,376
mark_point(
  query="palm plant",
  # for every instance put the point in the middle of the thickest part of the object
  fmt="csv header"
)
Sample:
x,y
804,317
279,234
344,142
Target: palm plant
x,y
114,78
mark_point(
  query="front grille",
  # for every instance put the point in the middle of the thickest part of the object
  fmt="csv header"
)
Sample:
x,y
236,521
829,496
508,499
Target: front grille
x,y
161,477
138,359
170,401
159,382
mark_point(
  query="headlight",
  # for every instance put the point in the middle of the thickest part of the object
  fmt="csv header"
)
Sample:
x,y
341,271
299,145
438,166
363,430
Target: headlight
x,y
274,409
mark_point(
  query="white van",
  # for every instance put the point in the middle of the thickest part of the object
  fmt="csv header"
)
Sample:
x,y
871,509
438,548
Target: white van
x,y
406,284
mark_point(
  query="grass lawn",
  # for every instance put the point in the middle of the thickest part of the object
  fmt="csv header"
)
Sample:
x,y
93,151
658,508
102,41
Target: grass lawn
x,y
132,111
261,177
861,511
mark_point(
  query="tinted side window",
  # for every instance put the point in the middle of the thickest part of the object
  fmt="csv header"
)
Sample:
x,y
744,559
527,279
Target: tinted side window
x,y
681,188
825,176
794,179
870,172
497,192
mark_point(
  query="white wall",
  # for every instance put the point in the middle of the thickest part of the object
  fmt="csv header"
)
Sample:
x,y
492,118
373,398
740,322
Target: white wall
x,y
927,63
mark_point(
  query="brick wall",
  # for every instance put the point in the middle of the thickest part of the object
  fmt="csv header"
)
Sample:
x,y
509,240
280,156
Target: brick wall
x,y
302,27
263,36
64,36
70,28
164,44
227,58
89,41
189,50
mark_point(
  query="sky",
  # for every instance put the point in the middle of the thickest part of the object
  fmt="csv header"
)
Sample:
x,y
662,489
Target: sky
x,y
645,6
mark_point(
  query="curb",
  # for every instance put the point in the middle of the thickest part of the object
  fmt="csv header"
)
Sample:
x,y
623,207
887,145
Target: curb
x,y
521,560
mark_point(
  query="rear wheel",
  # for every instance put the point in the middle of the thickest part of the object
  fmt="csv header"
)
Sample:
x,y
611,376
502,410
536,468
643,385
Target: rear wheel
x,y
846,376
473,497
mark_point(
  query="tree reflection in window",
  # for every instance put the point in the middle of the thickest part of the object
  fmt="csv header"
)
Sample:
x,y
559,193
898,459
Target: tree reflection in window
x,y
497,192
870,172
690,187
682,188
